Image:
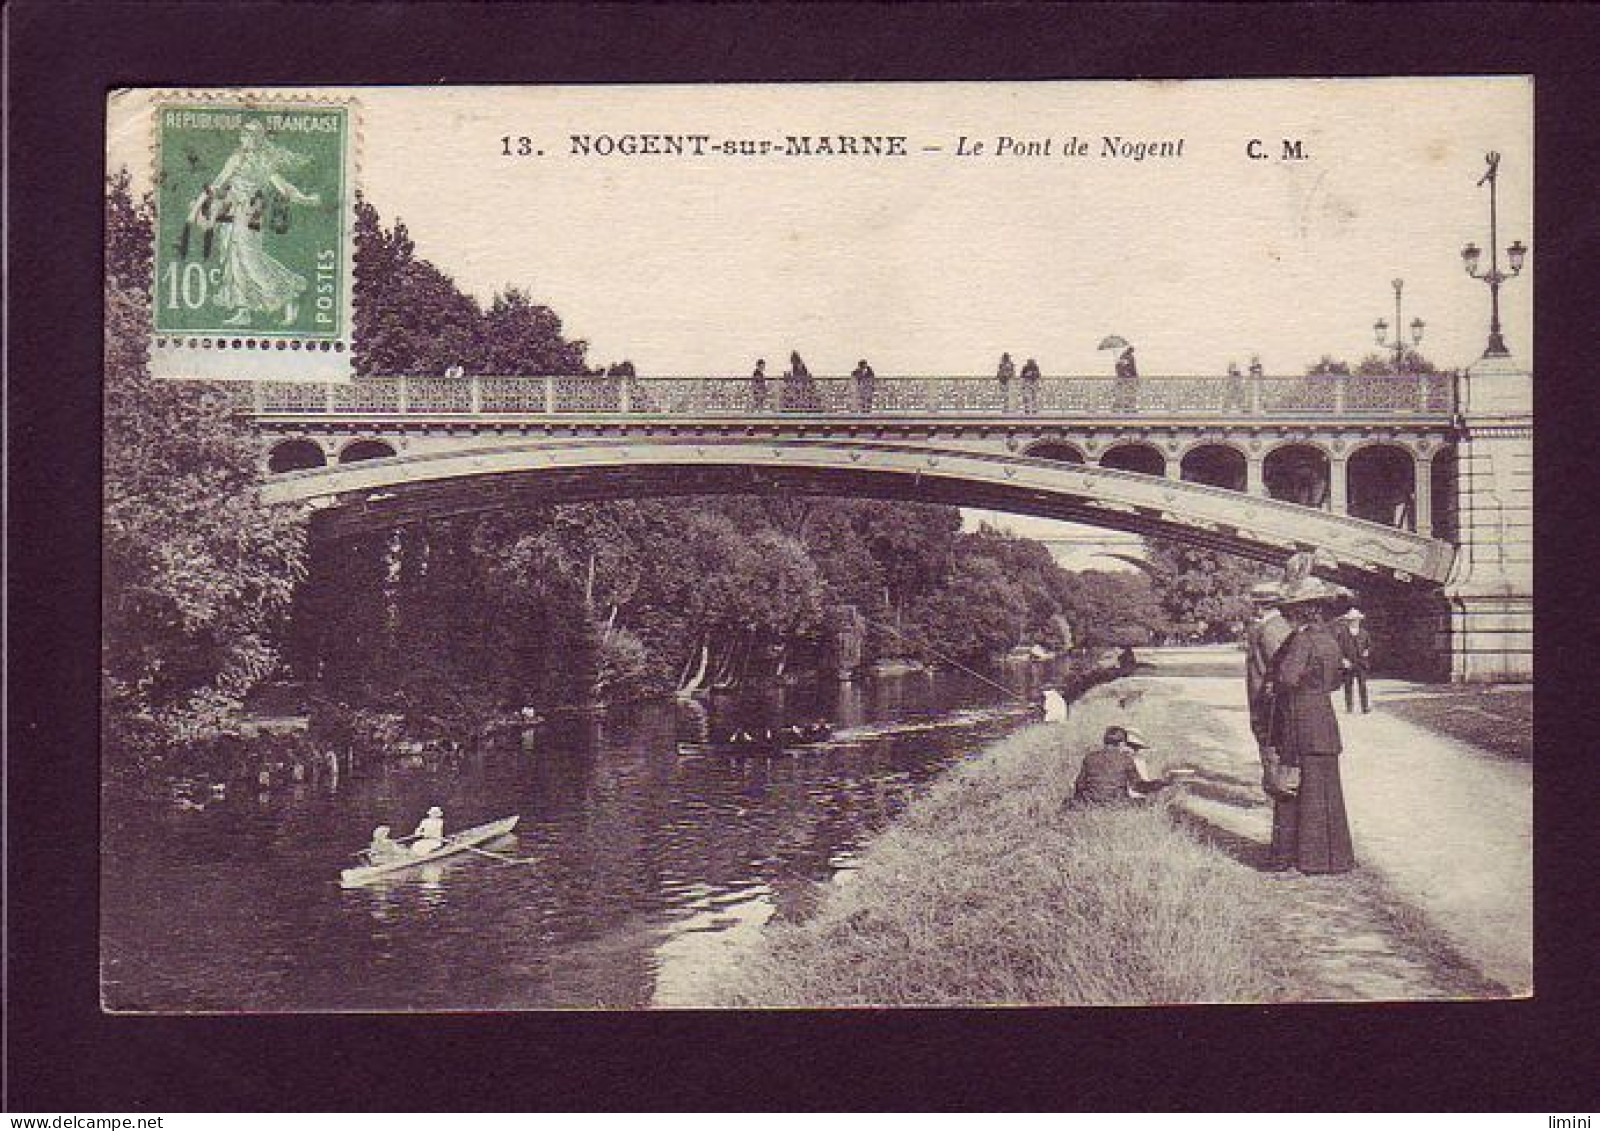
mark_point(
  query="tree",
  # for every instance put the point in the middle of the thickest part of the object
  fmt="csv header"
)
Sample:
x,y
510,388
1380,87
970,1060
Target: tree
x,y
971,618
1113,609
1202,590
1372,365
198,573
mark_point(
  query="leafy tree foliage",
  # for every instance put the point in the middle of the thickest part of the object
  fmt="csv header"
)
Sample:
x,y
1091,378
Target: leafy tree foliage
x,y
1206,594
1372,365
197,572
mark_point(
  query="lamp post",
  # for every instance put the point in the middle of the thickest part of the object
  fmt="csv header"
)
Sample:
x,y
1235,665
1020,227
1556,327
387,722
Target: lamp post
x,y
1514,257
1380,329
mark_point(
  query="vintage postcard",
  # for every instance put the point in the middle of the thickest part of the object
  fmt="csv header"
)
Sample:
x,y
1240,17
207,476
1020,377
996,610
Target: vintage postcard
x,y
841,545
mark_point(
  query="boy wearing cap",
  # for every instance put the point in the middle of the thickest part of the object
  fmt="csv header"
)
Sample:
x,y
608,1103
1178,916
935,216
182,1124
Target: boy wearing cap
x,y
1110,774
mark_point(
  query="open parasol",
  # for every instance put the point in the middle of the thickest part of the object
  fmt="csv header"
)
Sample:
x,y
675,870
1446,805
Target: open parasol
x,y
1113,342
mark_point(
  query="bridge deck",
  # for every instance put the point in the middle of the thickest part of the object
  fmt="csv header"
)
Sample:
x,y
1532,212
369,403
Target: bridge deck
x,y
1423,399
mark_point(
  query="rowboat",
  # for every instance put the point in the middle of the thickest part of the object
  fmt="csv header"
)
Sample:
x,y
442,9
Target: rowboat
x,y
460,842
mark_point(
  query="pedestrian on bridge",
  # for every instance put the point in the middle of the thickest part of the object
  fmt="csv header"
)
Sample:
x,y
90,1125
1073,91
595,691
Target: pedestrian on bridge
x,y
1004,375
1030,386
799,390
1126,391
865,379
758,386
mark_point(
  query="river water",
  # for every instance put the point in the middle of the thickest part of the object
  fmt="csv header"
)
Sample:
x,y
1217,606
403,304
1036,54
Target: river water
x,y
644,872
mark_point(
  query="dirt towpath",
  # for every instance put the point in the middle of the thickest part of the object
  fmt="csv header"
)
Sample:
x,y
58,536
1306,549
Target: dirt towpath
x,y
1441,904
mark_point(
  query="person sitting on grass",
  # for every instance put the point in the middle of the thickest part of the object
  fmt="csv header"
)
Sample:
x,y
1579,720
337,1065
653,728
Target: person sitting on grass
x,y
1111,774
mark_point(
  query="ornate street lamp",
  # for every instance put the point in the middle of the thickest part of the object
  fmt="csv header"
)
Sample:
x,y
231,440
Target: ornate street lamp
x,y
1380,329
1515,254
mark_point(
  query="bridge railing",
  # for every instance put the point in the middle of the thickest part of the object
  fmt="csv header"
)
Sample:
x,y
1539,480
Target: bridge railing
x,y
1424,396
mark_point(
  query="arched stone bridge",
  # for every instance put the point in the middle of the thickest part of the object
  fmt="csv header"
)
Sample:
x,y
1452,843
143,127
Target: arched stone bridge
x,y
1257,465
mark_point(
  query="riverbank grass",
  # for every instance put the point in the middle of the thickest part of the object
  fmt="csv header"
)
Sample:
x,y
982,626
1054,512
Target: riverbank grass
x,y
989,891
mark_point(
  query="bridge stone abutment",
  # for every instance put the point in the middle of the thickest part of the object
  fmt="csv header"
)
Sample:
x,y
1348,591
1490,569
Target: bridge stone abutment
x,y
1488,633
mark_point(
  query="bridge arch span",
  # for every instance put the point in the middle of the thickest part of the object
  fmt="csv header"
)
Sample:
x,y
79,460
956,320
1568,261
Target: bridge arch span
x,y
297,453
1215,464
1059,450
364,449
1299,472
1381,478
1135,456
381,493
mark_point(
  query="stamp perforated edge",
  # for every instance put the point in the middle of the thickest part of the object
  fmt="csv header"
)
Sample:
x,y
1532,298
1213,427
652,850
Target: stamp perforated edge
x,y
208,356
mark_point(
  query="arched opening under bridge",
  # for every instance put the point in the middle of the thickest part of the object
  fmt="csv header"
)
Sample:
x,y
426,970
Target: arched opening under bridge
x,y
295,455
1215,465
1056,450
365,449
1297,473
1142,459
1381,485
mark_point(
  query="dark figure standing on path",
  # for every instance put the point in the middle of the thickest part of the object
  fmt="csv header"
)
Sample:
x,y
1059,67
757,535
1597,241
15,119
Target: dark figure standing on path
x,y
1030,386
1309,830
1267,633
758,386
865,379
1004,375
1356,644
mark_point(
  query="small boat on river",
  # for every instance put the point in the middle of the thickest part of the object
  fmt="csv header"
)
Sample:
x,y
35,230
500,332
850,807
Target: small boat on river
x,y
462,841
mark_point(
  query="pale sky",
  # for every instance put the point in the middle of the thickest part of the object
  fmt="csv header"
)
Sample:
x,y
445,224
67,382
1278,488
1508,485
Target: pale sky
x,y
935,263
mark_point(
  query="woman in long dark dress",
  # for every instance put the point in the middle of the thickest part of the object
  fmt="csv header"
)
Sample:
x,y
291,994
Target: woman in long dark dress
x,y
1310,830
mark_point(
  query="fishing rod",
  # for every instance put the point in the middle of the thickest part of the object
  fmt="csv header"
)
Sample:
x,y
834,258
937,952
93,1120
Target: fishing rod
x,y
946,659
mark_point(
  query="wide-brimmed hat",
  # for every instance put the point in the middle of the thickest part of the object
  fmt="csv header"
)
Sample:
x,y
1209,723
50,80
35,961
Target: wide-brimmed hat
x,y
1311,589
1266,593
1136,739
1355,614
435,812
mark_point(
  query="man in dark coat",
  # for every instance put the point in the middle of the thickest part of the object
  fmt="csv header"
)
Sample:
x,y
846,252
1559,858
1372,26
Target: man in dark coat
x,y
1355,642
1262,639
1309,830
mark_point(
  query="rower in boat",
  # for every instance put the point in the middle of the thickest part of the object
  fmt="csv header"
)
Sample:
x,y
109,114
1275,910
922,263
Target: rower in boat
x,y
384,848
430,832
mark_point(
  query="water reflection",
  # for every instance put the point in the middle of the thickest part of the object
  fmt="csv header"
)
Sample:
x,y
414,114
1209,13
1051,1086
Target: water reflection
x,y
640,872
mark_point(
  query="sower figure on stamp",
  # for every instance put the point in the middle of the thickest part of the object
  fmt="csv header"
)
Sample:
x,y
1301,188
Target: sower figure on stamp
x,y
252,280
1356,644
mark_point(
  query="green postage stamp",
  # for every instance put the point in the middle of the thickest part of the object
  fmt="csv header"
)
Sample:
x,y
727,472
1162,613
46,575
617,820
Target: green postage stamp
x,y
253,258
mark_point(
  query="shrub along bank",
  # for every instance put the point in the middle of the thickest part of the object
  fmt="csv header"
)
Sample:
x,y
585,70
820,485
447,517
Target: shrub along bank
x,y
988,891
